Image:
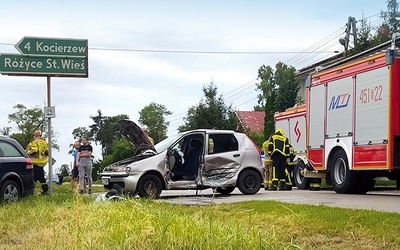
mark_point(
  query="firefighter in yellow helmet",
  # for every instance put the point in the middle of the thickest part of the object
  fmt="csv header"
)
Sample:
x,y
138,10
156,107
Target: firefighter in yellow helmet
x,y
278,149
268,178
38,151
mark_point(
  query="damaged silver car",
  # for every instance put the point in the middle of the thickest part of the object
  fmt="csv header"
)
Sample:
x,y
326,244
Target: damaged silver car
x,y
197,159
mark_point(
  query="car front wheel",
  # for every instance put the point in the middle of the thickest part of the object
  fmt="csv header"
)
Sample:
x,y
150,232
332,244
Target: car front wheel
x,y
249,182
9,191
149,186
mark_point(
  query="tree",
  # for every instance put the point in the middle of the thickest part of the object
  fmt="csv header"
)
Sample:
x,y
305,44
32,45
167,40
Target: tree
x,y
211,113
364,37
79,132
105,131
64,170
288,87
266,98
121,150
154,117
392,16
382,35
28,120
279,90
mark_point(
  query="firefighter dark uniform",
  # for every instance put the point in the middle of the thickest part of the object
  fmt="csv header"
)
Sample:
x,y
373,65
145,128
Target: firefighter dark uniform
x,y
278,149
289,168
38,152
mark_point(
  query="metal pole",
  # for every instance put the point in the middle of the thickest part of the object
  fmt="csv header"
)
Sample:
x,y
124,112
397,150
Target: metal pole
x,y
49,138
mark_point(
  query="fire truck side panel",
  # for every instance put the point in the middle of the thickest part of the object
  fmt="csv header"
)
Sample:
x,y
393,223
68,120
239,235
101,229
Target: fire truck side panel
x,y
316,123
283,124
316,117
294,126
298,133
371,120
369,157
314,157
339,106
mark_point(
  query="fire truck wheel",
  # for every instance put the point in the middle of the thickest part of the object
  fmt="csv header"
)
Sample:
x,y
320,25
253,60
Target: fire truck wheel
x,y
343,179
299,180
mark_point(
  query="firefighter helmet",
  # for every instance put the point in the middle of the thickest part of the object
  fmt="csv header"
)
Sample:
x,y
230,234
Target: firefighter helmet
x,y
279,131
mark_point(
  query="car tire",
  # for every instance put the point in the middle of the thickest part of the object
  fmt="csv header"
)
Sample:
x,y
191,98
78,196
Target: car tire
x,y
249,182
225,190
9,191
299,180
149,186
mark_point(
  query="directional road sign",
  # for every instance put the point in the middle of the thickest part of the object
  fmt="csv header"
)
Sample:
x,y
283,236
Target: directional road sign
x,y
15,64
52,47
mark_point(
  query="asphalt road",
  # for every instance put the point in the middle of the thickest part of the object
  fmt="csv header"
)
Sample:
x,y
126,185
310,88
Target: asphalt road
x,y
387,200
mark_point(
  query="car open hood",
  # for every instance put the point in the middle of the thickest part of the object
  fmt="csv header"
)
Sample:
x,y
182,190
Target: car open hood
x,y
135,135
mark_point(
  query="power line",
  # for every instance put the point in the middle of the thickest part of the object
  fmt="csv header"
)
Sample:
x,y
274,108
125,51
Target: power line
x,y
194,51
203,52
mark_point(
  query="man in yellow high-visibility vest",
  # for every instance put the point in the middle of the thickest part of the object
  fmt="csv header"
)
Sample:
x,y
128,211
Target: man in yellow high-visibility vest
x,y
38,151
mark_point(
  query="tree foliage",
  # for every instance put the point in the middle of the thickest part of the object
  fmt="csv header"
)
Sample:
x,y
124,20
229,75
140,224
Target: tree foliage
x,y
279,90
211,112
153,116
392,16
64,170
28,120
105,131
365,39
288,87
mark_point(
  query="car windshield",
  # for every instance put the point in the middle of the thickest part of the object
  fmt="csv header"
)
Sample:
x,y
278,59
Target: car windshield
x,y
164,144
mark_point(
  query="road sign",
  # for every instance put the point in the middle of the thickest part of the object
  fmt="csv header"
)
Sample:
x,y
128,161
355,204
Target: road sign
x,y
52,47
15,64
50,112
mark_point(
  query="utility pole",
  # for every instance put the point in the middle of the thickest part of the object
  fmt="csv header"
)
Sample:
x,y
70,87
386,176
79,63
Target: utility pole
x,y
350,31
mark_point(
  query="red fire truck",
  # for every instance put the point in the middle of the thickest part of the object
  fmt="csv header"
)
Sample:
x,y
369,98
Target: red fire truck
x,y
352,122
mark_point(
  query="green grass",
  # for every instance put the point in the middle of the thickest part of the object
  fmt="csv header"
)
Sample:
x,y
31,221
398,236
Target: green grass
x,y
67,220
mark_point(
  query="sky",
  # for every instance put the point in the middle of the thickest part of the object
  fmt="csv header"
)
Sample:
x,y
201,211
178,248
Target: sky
x,y
165,52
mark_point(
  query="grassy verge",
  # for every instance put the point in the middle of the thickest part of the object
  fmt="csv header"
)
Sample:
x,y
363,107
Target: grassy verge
x,y
68,220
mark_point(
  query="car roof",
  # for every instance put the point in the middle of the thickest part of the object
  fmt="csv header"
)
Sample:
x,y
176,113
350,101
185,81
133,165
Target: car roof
x,y
212,131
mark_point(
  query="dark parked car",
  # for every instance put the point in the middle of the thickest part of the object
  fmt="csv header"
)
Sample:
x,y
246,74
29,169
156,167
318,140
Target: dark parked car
x,y
16,171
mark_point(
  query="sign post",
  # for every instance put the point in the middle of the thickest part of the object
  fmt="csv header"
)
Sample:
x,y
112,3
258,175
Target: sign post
x,y
41,56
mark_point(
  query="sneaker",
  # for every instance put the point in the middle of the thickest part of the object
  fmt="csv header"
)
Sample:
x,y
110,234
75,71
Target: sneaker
x,y
90,191
81,191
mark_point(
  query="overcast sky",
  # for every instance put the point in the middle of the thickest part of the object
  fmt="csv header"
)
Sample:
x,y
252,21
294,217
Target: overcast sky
x,y
133,57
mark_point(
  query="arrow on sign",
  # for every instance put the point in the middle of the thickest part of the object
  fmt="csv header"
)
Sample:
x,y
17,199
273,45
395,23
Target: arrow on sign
x,y
41,46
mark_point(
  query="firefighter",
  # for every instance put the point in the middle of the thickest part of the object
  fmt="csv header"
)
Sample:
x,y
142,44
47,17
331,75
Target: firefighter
x,y
278,150
289,167
269,169
38,151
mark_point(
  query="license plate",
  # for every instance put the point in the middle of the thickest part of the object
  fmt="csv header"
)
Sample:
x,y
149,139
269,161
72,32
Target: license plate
x,y
105,181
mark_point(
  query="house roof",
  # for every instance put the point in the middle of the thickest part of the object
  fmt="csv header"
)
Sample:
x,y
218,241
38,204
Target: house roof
x,y
252,120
